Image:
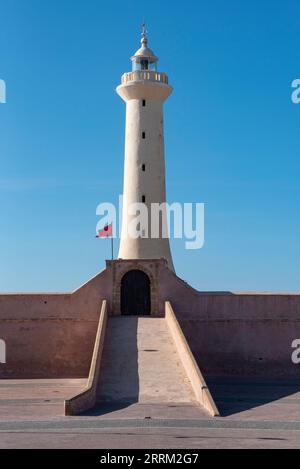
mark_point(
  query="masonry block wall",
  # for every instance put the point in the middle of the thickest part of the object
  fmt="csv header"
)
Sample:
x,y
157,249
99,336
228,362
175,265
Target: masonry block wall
x,y
52,335
237,333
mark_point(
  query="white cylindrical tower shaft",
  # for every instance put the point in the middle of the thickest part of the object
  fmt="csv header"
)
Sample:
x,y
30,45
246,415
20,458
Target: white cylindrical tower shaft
x,y
144,90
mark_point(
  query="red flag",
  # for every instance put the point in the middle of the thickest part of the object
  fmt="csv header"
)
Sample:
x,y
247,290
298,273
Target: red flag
x,y
106,232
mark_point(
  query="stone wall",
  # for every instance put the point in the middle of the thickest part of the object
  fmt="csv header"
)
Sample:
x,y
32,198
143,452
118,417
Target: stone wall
x,y
237,333
52,335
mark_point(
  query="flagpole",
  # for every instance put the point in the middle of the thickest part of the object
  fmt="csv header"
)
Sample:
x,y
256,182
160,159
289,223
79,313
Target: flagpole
x,y
107,232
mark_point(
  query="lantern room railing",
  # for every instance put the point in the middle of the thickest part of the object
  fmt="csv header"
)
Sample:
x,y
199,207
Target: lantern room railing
x,y
144,75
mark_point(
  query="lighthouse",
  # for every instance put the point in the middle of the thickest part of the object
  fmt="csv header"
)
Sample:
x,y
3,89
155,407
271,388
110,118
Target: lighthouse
x,y
144,91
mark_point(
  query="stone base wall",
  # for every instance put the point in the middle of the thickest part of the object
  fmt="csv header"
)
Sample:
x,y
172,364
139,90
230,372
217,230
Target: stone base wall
x,y
52,335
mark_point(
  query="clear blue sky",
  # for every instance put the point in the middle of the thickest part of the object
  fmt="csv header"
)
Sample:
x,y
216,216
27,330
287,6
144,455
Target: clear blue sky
x,y
231,131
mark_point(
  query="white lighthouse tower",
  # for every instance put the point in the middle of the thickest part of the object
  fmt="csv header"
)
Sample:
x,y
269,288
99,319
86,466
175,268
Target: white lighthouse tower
x,y
144,90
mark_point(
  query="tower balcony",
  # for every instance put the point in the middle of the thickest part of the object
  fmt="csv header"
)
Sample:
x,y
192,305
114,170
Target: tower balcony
x,y
144,75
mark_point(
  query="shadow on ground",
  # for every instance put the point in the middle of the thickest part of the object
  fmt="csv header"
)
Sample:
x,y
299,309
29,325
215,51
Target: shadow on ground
x,y
234,395
104,408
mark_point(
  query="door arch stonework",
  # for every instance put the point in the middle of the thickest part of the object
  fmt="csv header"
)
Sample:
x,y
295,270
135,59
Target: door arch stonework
x,y
120,267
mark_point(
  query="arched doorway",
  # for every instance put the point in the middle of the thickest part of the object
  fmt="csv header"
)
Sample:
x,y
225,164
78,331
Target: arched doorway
x,y
135,293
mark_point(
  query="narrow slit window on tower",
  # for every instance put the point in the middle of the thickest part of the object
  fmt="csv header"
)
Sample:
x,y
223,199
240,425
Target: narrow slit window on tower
x,y
143,135
143,167
143,199
144,103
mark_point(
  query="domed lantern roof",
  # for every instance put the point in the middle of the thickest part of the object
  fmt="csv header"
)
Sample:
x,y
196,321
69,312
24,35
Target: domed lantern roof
x,y
144,53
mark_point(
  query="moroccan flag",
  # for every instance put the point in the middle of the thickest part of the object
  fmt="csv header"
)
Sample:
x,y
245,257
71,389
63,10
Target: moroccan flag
x,y
106,232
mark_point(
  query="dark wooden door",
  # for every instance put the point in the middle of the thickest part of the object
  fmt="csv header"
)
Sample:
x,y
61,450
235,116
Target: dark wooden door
x,y
135,293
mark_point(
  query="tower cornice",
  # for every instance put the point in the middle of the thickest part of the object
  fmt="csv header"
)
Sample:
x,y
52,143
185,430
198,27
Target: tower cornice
x,y
144,90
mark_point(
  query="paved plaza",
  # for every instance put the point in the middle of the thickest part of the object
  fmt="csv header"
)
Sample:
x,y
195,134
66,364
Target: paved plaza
x,y
255,414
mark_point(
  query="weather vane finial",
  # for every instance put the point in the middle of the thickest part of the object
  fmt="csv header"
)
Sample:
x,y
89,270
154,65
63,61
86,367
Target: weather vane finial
x,y
144,32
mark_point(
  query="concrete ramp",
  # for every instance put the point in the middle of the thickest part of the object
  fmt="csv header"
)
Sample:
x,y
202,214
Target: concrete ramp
x,y
140,364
